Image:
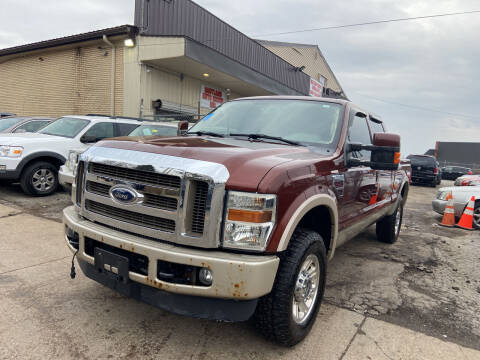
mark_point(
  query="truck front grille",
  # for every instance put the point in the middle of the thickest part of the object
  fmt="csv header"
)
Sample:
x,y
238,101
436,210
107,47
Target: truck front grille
x,y
151,200
131,217
141,176
199,207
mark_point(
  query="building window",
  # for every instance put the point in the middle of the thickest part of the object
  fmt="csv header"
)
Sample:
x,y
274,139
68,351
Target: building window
x,y
322,80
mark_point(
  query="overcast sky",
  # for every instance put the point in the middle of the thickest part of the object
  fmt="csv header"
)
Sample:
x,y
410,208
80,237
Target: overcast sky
x,y
432,63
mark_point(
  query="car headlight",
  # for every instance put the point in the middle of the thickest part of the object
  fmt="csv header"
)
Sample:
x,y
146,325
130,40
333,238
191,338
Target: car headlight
x,y
72,160
442,195
249,222
10,151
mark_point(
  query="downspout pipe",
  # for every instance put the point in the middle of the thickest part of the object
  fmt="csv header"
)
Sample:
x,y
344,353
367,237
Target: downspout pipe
x,y
112,76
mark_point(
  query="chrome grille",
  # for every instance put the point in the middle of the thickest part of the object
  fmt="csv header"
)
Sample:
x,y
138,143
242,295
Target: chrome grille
x,y
199,206
142,176
131,217
151,200
79,182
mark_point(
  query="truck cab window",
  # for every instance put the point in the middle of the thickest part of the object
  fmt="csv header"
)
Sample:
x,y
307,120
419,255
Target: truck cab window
x,y
376,127
358,132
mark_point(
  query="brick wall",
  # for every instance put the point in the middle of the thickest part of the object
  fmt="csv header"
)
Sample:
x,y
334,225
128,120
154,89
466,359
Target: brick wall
x,y
61,81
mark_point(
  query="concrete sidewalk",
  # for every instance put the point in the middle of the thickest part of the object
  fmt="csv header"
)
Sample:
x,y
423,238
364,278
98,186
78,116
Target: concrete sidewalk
x,y
45,314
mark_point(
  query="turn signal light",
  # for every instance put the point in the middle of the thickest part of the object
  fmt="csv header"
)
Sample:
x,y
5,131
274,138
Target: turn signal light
x,y
249,216
396,159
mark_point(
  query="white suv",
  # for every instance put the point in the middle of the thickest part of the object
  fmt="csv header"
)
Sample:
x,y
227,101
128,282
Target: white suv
x,y
34,158
66,175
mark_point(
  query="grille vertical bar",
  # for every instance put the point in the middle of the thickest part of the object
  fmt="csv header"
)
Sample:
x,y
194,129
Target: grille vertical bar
x,y
200,191
79,182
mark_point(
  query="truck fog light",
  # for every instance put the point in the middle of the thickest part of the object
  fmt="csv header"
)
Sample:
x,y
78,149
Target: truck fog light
x,y
205,276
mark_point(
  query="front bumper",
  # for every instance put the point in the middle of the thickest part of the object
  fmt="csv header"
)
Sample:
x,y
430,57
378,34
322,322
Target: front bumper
x,y
65,177
235,276
9,168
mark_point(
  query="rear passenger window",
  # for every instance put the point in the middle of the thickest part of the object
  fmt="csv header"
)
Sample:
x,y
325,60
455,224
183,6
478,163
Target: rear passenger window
x,y
358,133
125,129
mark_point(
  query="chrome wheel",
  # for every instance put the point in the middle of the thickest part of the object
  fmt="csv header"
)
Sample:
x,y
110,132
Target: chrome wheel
x,y
476,217
398,220
43,180
306,289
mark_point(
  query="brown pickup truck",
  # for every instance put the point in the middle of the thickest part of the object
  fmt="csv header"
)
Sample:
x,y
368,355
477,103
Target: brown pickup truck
x,y
238,218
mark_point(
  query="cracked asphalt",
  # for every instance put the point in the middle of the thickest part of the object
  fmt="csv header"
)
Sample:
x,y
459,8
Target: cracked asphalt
x,y
417,298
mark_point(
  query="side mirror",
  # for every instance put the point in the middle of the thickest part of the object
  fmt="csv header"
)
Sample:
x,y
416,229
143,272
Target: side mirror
x,y
182,128
88,139
385,152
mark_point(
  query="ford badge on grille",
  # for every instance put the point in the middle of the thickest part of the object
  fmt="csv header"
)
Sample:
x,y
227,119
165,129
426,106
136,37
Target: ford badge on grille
x,y
125,195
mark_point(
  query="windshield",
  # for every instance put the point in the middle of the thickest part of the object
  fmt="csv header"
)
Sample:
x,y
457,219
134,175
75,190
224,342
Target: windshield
x,y
65,126
158,130
302,121
421,160
8,122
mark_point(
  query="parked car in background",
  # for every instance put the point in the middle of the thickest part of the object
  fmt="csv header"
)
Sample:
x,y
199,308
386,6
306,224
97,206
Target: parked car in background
x,y
66,173
425,170
453,172
22,124
461,196
468,180
5,114
34,158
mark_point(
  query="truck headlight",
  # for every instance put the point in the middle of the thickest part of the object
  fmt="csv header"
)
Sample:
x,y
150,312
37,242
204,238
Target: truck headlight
x,y
72,160
249,222
10,151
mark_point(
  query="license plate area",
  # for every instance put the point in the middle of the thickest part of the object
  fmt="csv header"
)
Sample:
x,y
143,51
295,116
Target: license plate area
x,y
111,265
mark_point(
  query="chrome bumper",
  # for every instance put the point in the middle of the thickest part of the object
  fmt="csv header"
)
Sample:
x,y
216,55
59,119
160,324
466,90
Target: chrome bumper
x,y
65,177
235,276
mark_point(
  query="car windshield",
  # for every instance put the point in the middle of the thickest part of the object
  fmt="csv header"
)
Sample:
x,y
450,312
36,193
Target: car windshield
x,y
9,121
301,121
65,126
158,130
421,160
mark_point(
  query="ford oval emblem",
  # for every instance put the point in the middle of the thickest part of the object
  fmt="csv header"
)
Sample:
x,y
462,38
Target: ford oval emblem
x,y
125,195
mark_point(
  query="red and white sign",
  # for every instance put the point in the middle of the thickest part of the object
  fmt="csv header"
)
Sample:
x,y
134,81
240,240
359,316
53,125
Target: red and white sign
x,y
316,88
211,97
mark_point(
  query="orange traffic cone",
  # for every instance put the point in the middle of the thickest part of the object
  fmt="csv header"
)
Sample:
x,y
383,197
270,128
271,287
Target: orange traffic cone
x,y
449,212
374,197
466,221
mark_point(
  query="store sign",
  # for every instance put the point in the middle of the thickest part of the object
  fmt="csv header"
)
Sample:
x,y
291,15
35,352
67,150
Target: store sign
x,y
316,88
211,97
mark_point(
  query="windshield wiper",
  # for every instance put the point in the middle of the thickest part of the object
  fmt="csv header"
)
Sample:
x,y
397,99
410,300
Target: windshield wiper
x,y
263,136
209,133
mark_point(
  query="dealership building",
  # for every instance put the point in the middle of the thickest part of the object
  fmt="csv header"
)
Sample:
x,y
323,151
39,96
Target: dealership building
x,y
177,58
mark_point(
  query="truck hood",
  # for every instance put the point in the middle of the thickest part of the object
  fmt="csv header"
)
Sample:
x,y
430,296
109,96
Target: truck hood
x,y
31,138
247,162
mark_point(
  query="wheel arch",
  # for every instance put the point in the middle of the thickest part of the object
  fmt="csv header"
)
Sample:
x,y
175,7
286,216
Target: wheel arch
x,y
54,158
317,205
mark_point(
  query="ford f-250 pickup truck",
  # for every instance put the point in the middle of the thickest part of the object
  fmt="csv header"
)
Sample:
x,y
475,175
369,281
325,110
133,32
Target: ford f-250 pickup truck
x,y
238,218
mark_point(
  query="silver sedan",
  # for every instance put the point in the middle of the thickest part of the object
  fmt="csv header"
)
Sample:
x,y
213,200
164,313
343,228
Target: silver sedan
x,y
461,196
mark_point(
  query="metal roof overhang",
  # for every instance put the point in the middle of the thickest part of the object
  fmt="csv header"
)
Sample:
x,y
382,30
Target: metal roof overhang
x,y
197,59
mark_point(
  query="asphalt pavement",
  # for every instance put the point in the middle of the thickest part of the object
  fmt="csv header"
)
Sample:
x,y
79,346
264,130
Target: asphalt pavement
x,y
416,299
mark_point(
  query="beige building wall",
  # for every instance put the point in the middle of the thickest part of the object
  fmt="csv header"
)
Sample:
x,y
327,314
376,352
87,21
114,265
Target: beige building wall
x,y
61,81
308,56
145,80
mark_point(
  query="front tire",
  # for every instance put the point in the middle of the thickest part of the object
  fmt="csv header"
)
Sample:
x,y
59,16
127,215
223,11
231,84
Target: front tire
x,y
39,179
287,314
388,228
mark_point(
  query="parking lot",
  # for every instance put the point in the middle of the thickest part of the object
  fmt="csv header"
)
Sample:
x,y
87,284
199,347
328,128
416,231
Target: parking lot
x,y
424,289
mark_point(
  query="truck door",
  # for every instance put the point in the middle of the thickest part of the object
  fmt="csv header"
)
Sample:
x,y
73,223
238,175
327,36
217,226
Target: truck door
x,y
360,182
384,177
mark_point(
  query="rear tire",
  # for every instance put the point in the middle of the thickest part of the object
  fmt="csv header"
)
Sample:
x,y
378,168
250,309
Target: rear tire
x,y
39,179
388,228
476,215
287,314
